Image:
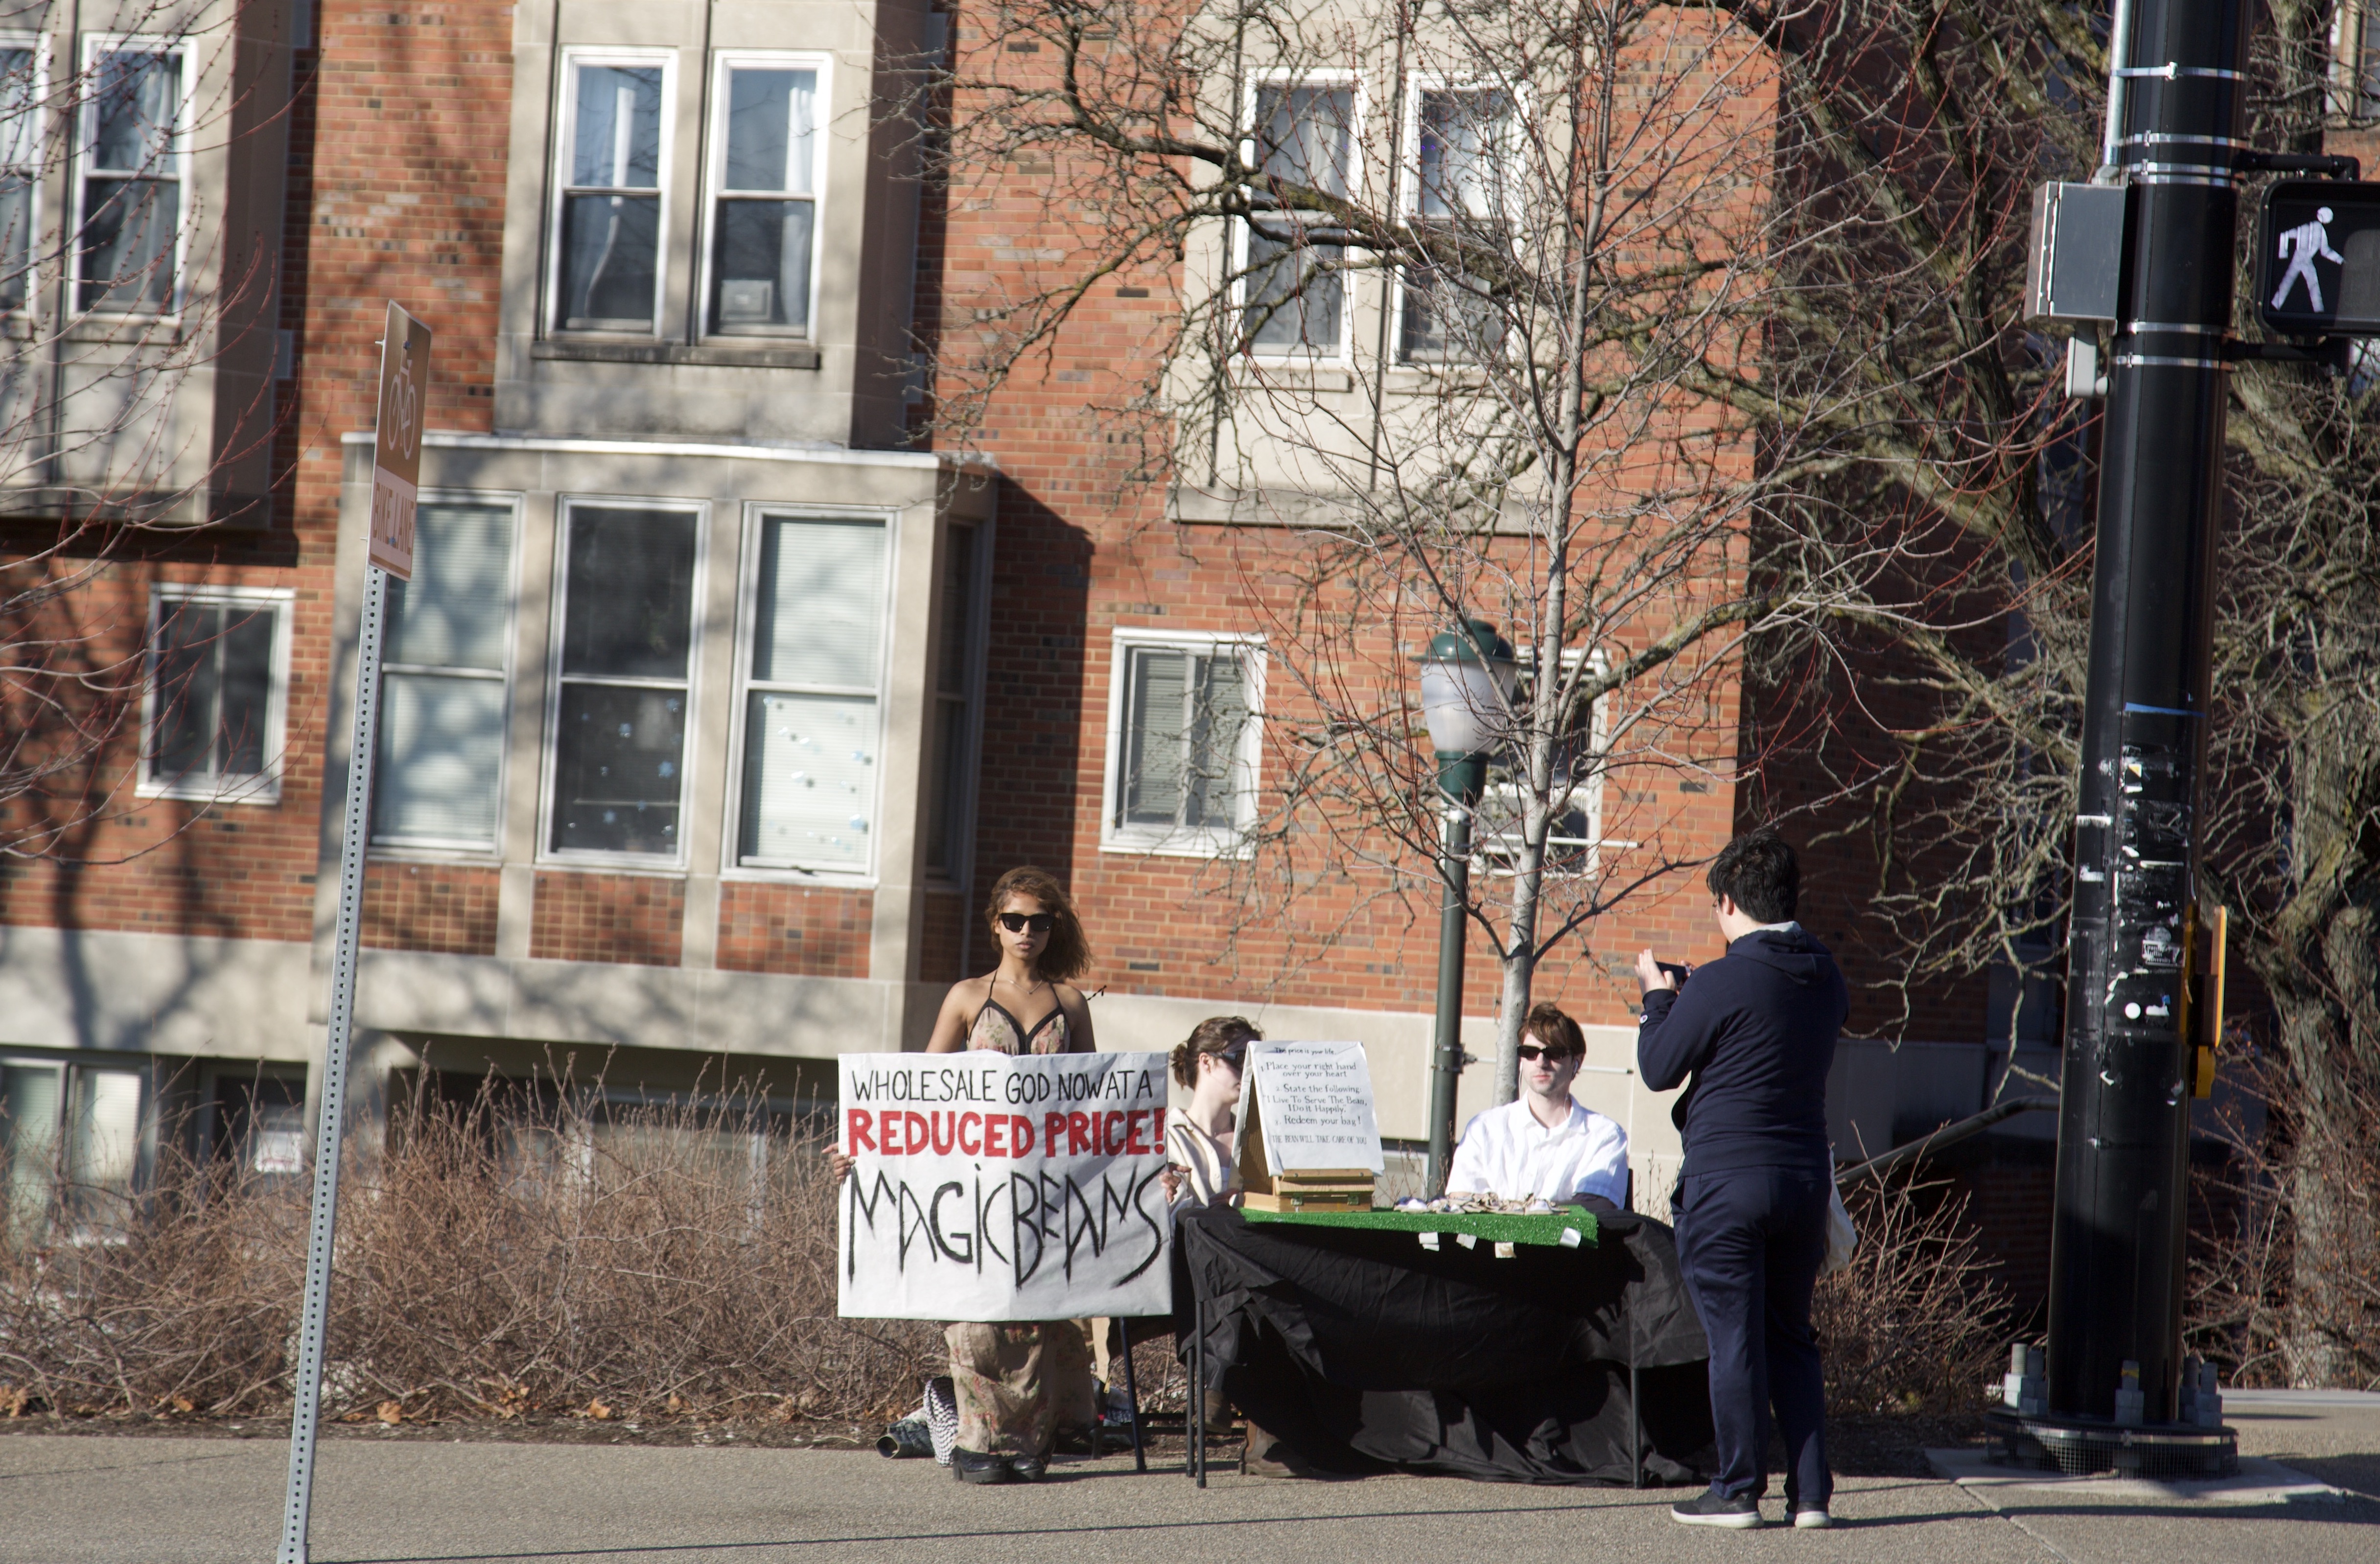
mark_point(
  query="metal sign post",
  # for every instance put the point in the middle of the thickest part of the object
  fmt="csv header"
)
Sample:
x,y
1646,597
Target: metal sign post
x,y
396,471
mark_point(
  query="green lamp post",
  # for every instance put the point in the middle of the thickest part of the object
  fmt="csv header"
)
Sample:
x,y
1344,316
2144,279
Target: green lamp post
x,y
1467,679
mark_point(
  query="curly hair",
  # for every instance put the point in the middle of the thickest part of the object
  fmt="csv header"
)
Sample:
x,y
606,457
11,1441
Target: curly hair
x,y
1217,1034
1068,953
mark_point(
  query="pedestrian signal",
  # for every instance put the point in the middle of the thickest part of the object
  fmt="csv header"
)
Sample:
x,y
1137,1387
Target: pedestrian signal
x,y
2318,259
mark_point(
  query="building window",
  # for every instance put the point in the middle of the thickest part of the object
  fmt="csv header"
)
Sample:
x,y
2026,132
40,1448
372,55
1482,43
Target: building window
x,y
769,166
73,1143
444,659
813,693
615,147
1183,733
1294,291
1457,183
216,698
21,90
1575,841
951,739
2355,61
131,190
622,698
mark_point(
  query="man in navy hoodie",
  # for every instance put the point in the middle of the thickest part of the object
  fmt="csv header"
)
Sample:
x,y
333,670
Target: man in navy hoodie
x,y
1755,1029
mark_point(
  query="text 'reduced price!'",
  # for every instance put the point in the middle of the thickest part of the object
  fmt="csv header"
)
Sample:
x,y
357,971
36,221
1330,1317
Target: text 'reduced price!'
x,y
987,1187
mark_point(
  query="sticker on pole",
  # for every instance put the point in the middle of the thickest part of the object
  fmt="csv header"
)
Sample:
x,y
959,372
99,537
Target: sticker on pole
x,y
991,1186
2318,259
396,445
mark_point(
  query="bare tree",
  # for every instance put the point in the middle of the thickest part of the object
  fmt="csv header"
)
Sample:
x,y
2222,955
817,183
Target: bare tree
x,y
1460,296
141,176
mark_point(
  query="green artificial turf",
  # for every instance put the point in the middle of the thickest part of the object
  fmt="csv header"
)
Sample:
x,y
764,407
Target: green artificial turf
x,y
1501,1227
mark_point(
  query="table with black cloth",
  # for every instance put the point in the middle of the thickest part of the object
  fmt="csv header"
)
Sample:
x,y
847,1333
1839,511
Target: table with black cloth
x,y
1365,1351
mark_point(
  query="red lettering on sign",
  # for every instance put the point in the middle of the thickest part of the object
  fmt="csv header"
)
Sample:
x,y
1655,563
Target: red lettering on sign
x,y
918,1133
946,1132
1020,1133
1135,1123
1078,1135
1156,1128
1113,1134
857,1127
1053,1131
995,1125
971,1120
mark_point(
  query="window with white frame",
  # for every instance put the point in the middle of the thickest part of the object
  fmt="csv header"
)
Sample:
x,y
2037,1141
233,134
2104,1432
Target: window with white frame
x,y
768,164
127,258
947,762
613,153
1574,837
1181,742
1293,290
72,1144
216,700
1457,187
813,693
442,689
21,90
625,681
2355,60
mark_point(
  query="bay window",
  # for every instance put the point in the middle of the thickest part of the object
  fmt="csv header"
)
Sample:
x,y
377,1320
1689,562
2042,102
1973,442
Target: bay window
x,y
767,165
125,256
1294,293
613,154
443,661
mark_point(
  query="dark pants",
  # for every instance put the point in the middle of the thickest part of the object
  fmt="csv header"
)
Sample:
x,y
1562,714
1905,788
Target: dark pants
x,y
1750,1243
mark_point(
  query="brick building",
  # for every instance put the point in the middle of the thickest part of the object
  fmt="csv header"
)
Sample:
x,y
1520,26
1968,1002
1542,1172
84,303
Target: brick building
x,y
717,702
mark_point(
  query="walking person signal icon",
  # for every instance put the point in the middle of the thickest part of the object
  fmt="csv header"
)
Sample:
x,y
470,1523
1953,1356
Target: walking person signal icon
x,y
2318,259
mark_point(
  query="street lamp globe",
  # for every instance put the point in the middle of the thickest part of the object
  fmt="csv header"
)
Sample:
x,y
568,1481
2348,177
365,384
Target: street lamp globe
x,y
1468,679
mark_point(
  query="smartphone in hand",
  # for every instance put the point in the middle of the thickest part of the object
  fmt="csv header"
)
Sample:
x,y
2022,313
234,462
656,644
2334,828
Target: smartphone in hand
x,y
1679,971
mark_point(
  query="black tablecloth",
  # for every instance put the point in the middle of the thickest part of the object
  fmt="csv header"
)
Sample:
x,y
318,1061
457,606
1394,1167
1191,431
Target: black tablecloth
x,y
1368,1352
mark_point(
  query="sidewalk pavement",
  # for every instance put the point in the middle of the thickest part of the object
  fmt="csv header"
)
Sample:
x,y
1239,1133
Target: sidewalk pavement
x,y
158,1500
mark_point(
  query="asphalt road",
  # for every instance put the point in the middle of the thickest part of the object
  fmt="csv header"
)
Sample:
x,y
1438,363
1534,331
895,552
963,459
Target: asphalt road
x,y
156,1501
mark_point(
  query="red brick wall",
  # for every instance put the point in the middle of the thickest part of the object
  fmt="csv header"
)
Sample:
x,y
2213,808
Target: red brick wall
x,y
769,928
633,919
449,908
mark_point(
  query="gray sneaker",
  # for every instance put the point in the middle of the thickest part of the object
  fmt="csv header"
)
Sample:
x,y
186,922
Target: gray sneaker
x,y
1812,1521
1741,1513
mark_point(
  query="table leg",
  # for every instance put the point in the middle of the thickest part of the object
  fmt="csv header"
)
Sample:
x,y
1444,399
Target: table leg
x,y
1132,1397
1635,1430
1199,1393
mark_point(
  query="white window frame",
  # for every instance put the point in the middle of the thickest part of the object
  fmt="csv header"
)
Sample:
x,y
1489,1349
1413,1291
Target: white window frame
x,y
80,171
566,128
556,627
1416,83
714,182
1344,355
74,1071
421,847
1489,856
2354,61
1182,841
757,515
40,45
265,786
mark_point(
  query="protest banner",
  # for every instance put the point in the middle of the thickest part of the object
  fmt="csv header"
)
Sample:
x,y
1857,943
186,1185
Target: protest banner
x,y
991,1186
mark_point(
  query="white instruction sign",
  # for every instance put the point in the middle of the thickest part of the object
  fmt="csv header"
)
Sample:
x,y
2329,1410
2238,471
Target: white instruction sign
x,y
1315,1100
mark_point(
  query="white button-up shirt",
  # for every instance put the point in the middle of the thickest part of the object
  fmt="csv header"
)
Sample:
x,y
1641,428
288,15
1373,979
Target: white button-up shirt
x,y
1505,1151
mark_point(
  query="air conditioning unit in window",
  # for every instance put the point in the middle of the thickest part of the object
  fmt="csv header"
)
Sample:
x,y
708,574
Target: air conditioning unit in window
x,y
746,301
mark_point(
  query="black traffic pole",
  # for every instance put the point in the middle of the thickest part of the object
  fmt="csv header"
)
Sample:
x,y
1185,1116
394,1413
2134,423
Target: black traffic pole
x,y
2123,1138
1461,779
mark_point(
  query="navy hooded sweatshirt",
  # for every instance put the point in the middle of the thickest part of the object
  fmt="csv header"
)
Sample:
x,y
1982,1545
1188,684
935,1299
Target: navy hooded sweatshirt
x,y
1756,1029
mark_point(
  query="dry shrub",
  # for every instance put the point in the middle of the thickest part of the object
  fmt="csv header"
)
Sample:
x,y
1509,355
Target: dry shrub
x,y
505,1257
2287,1293
1916,1322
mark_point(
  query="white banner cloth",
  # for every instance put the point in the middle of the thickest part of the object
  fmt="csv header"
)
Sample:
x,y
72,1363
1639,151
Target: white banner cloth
x,y
991,1186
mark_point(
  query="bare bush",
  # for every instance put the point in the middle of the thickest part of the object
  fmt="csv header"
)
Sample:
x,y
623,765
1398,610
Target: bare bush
x,y
2289,1292
1914,1323
504,1257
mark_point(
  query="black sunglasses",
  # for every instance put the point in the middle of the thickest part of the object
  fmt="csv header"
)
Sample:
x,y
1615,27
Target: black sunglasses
x,y
1531,1051
1039,923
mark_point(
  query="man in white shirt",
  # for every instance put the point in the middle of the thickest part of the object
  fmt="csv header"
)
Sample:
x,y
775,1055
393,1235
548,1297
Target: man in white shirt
x,y
1545,1143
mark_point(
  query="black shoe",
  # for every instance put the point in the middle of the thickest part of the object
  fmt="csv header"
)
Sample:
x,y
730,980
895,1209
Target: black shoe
x,y
973,1466
1027,1469
1741,1513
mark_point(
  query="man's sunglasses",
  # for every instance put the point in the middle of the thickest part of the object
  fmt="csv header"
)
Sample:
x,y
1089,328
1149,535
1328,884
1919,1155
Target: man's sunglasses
x,y
1531,1053
1039,923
